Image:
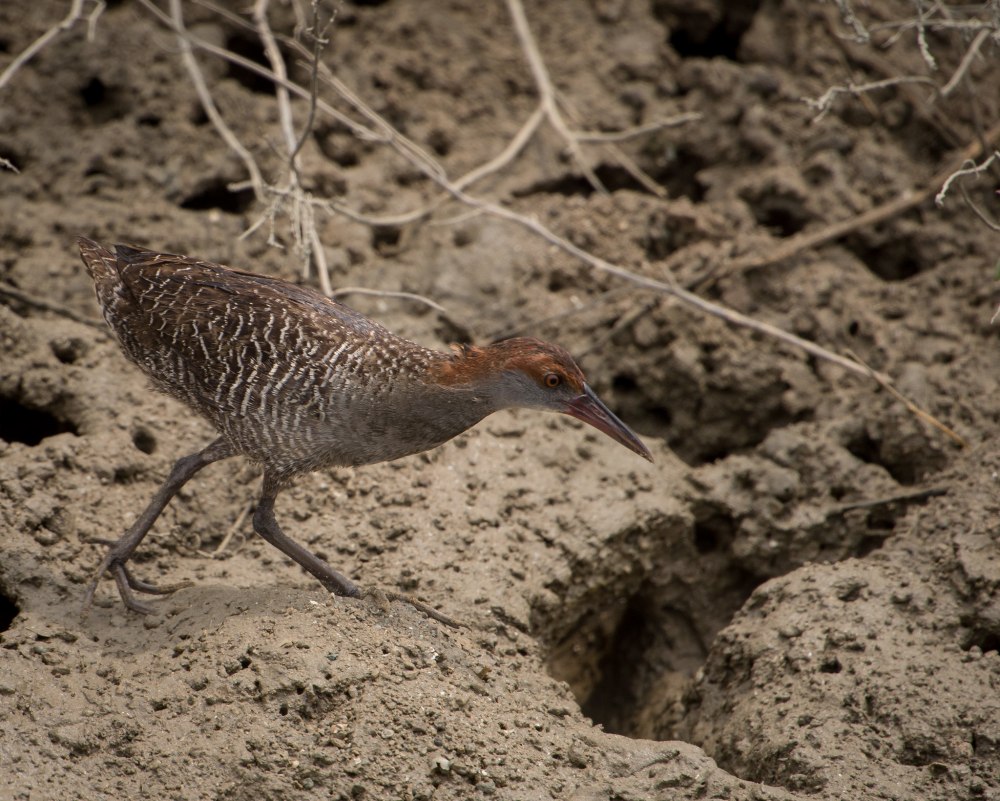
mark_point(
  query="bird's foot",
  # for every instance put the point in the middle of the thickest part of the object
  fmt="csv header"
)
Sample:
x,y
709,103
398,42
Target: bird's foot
x,y
385,597
114,563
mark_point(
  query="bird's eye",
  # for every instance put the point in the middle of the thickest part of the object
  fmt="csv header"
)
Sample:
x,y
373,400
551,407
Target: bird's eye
x,y
552,380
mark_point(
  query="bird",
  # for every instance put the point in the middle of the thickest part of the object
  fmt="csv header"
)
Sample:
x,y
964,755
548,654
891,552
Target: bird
x,y
296,382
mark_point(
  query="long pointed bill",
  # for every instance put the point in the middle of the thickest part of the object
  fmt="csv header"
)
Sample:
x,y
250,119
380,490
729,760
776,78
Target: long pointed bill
x,y
591,410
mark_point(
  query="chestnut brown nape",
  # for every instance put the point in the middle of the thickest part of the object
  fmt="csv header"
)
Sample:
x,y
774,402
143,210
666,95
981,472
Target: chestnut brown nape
x,y
297,382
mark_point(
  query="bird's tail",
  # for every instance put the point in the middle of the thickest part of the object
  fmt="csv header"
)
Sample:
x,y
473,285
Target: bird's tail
x,y
100,262
103,267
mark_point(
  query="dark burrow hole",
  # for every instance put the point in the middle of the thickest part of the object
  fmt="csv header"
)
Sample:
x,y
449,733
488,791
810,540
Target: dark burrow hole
x,y
12,157
830,664
678,174
93,92
984,637
631,656
611,176
144,440
782,212
706,30
28,425
385,239
103,101
215,194
891,258
8,610
907,466
250,48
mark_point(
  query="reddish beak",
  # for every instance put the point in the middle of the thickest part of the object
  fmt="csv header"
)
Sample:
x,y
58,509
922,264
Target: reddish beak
x,y
589,408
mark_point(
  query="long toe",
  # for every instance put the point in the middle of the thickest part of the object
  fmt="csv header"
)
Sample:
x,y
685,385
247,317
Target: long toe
x,y
383,597
121,577
152,589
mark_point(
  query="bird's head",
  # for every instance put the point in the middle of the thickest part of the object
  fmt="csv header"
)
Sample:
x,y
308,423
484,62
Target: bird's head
x,y
528,373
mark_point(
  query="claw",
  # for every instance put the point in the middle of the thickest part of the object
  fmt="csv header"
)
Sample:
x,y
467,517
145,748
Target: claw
x,y
126,583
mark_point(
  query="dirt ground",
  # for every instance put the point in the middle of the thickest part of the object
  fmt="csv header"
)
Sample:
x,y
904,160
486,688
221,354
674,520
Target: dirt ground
x,y
799,599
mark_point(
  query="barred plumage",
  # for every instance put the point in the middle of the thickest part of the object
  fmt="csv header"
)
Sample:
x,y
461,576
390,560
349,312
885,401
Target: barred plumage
x,y
296,381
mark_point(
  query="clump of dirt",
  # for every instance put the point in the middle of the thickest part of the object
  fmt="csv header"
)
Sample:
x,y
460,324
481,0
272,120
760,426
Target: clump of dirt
x,y
798,599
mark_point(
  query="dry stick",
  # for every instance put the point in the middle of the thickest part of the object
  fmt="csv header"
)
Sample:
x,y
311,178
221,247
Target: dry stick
x,y
905,497
915,410
824,102
407,148
433,170
546,91
975,169
809,240
925,50
363,133
623,322
303,220
963,67
48,305
74,14
387,293
936,116
549,106
993,226
237,524
208,104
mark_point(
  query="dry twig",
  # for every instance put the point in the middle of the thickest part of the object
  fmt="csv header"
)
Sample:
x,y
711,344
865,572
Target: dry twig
x,y
915,410
903,202
974,169
379,129
387,293
824,102
905,497
548,108
74,14
47,305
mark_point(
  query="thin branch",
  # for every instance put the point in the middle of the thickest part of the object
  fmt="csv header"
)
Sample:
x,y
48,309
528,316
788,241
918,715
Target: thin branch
x,y
48,305
629,318
363,133
219,552
903,202
547,92
991,224
925,50
905,497
638,130
419,158
71,18
975,169
207,103
387,293
281,95
319,42
915,410
963,67
847,14
824,102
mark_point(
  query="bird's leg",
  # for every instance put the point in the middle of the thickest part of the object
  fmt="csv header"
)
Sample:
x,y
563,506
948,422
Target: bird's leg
x,y
265,524
121,550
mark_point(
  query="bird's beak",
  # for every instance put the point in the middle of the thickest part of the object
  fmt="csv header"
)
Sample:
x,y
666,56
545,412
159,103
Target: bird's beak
x,y
591,410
